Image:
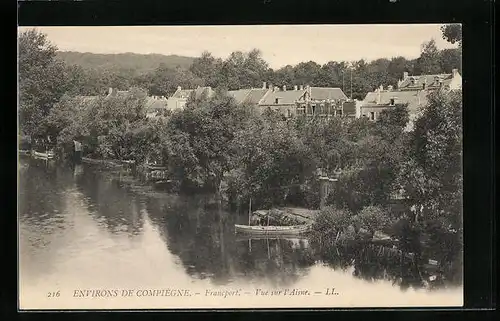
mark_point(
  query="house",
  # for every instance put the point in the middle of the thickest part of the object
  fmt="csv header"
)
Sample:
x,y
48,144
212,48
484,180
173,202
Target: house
x,y
155,106
381,99
451,81
324,102
282,101
411,90
179,99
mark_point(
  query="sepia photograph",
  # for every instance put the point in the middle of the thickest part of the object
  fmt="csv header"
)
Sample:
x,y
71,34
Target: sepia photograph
x,y
240,167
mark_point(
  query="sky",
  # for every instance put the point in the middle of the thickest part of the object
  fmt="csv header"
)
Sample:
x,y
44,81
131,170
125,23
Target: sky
x,y
280,44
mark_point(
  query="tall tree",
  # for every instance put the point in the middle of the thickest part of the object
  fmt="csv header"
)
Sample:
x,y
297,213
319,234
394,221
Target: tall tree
x,y
429,60
41,80
451,59
207,68
432,177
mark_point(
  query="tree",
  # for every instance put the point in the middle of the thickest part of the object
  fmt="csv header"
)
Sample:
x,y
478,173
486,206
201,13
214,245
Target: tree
x,y
396,68
207,68
432,176
452,33
428,62
41,80
307,73
450,59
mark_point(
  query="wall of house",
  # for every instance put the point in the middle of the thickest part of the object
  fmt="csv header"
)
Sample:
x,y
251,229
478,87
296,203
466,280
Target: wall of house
x,y
176,103
349,108
376,110
287,110
456,82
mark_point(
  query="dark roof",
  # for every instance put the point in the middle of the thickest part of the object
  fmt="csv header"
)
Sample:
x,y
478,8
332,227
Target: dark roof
x,y
186,93
153,104
324,93
239,95
248,96
414,99
417,82
183,93
284,97
256,95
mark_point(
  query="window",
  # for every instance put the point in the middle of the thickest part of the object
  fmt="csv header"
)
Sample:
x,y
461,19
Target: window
x,y
276,100
392,101
372,115
313,109
289,114
423,86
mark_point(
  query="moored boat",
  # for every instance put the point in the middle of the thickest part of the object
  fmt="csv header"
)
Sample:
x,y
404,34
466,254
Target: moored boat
x,y
24,152
47,155
273,230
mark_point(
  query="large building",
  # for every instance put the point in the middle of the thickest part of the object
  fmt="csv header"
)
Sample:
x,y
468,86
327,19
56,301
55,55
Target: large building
x,y
324,102
411,90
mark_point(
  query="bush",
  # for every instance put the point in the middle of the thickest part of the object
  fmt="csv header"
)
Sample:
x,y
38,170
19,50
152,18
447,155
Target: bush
x,y
372,218
332,220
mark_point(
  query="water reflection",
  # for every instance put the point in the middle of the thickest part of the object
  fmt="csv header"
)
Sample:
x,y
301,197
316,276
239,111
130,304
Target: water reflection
x,y
82,202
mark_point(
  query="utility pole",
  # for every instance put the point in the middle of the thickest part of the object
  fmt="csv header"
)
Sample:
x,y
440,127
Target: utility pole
x,y
351,83
343,87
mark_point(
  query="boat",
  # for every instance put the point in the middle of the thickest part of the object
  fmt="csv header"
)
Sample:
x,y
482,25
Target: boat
x,y
273,230
255,237
24,152
47,155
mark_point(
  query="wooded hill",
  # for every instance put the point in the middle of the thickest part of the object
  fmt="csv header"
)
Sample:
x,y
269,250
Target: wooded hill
x,y
140,63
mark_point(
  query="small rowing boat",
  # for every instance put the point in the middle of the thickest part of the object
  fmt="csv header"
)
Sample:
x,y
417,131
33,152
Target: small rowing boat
x,y
273,230
24,152
47,155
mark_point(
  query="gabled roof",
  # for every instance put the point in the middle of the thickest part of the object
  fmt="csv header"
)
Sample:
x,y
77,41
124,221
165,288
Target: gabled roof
x,y
284,97
414,99
417,82
248,96
256,95
183,93
153,104
324,93
186,93
239,95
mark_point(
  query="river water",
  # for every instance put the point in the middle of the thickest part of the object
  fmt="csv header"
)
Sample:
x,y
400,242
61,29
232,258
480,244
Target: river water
x,y
96,239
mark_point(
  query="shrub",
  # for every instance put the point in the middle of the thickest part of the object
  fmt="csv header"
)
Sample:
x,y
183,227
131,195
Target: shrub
x,y
331,220
372,218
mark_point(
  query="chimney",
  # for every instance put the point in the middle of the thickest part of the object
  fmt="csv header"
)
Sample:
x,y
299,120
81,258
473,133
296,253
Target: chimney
x,y
275,88
381,88
284,87
405,75
295,87
454,72
264,85
389,88
179,88
271,86
301,87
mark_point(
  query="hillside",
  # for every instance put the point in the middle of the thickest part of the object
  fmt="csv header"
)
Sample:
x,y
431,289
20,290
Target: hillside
x,y
141,63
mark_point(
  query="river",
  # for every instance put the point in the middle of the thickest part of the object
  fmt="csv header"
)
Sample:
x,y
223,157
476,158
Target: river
x,y
82,228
